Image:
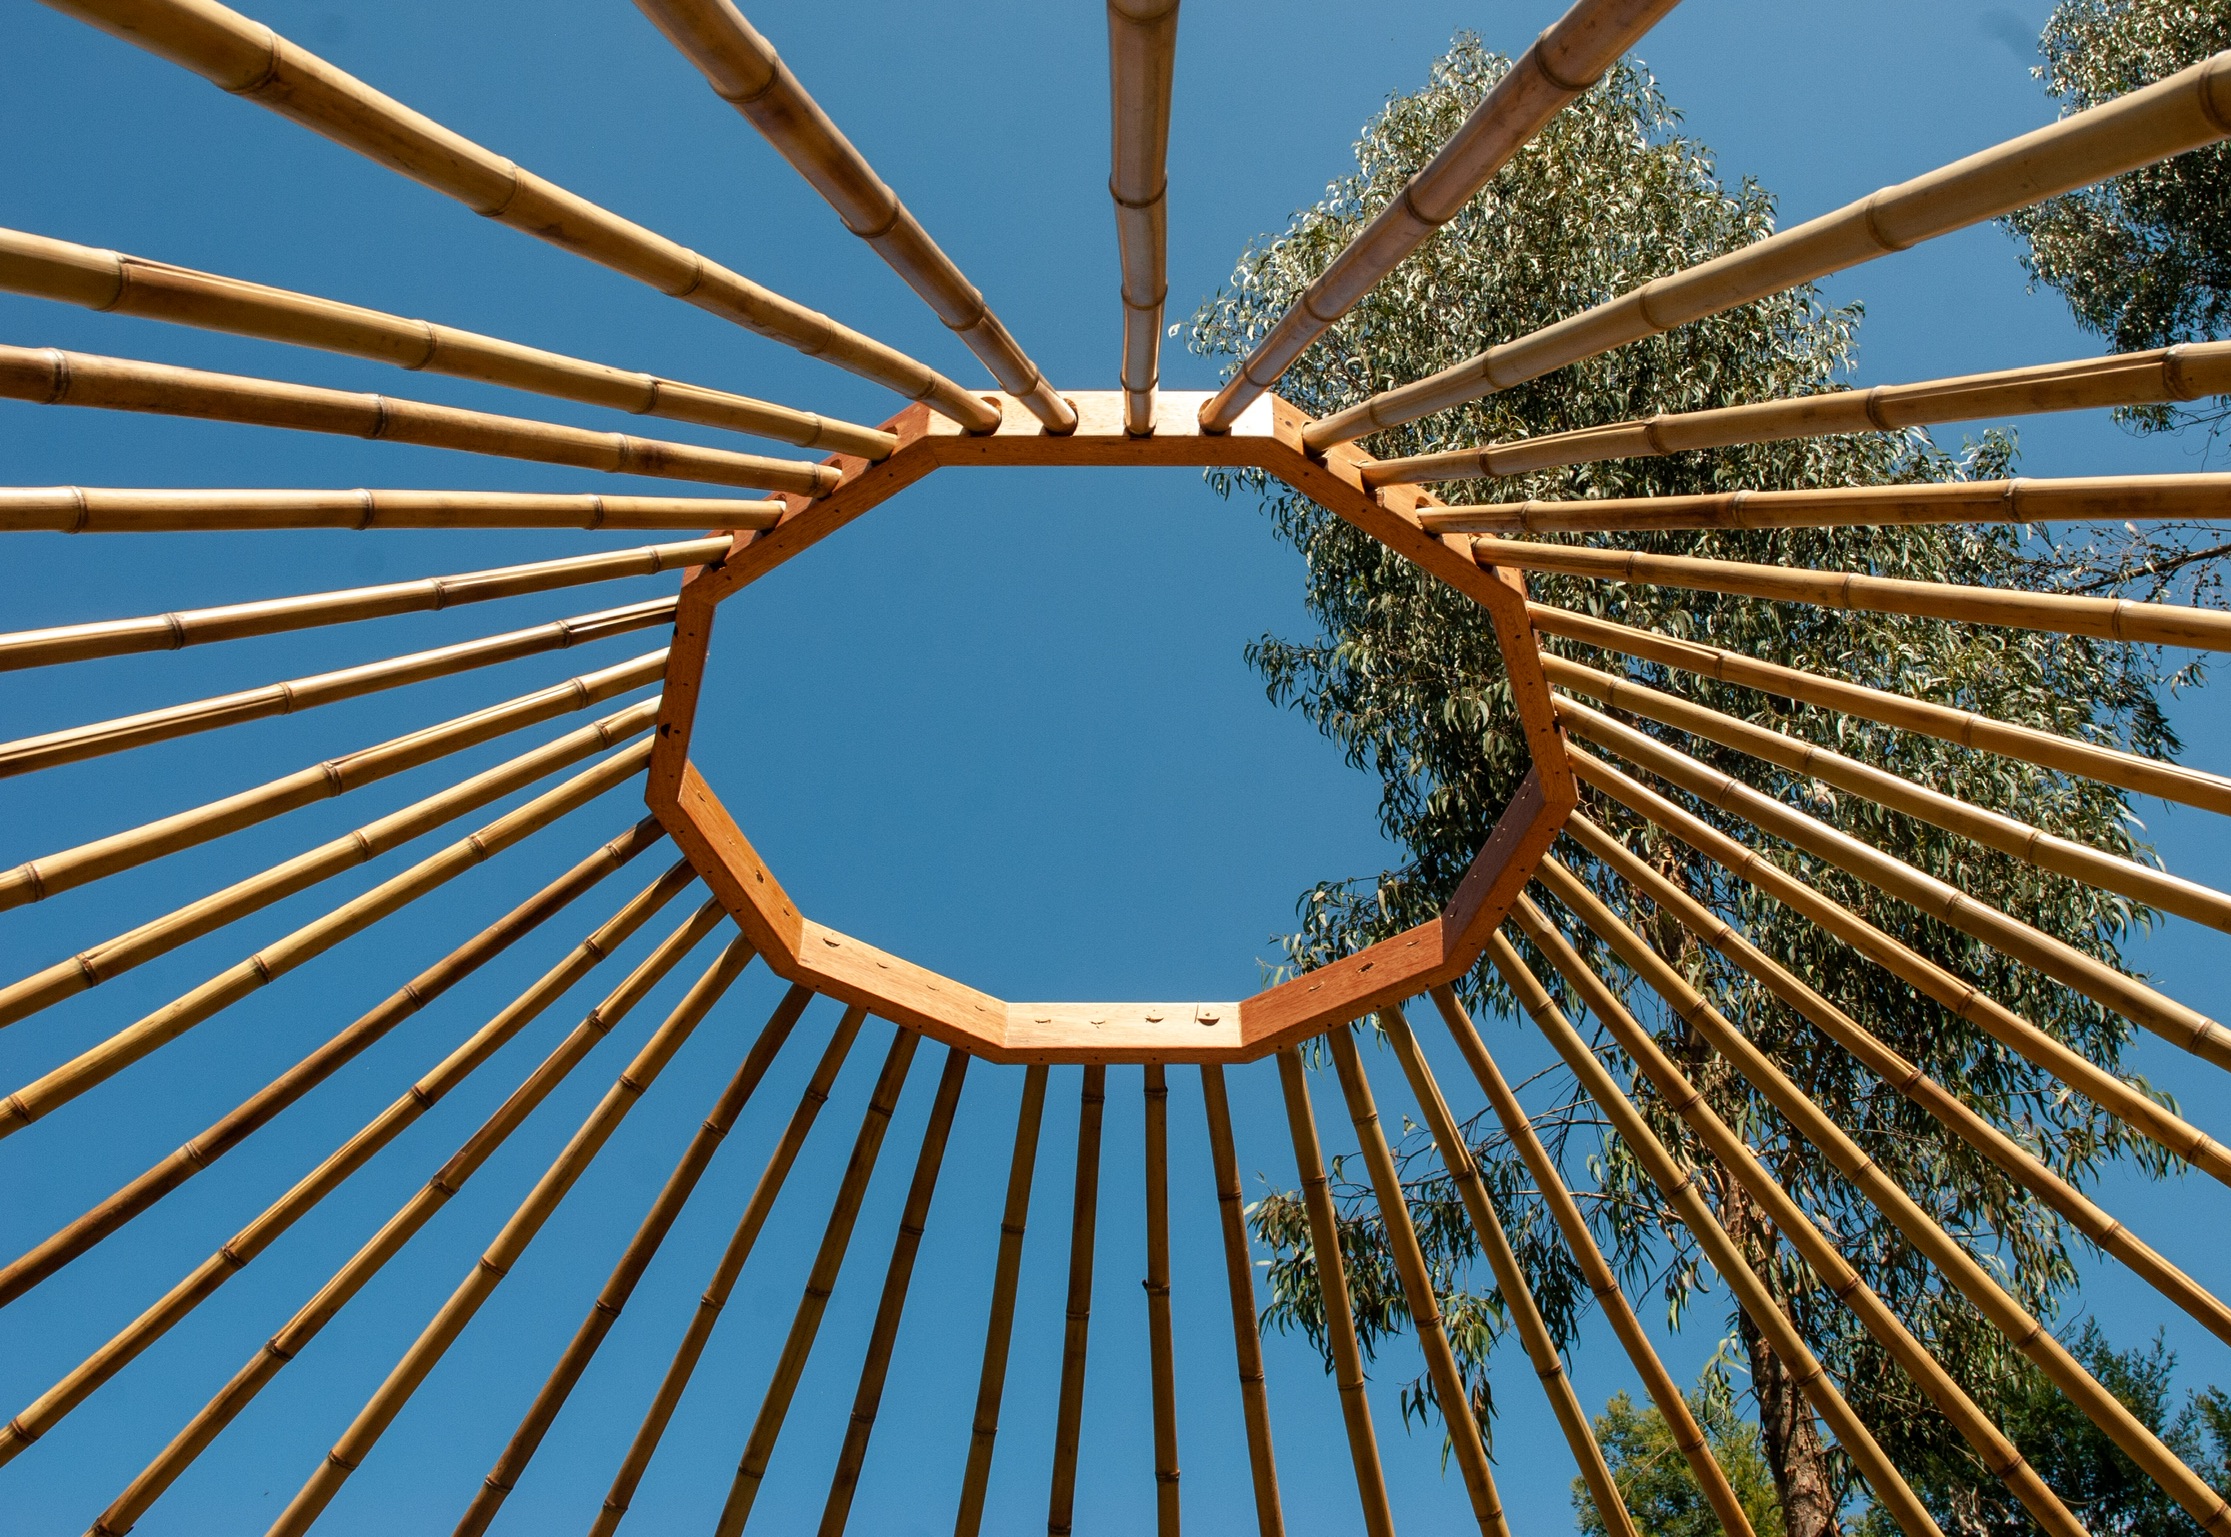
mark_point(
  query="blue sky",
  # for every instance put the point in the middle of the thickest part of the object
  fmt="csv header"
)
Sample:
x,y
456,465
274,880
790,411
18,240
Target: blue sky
x,y
1003,727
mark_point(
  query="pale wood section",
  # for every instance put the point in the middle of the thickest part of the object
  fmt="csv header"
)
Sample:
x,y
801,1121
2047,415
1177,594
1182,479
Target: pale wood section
x,y
1161,1361
948,1012
1122,1032
1077,1325
1142,57
702,828
1239,1281
114,510
2185,111
1103,436
688,644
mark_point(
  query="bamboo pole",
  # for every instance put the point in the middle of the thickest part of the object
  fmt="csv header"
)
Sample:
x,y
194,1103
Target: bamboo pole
x,y
274,616
821,1281
1909,1080
2087,760
1681,1422
999,1330
2118,1098
636,1258
1510,1280
2063,962
2119,619
742,68
1161,1368
1239,1279
1077,1328
132,285
1682,1191
130,510
312,1317
1465,1440
1563,62
247,59
96,1064
159,936
912,1219
2022,500
48,376
725,1273
1332,1282
75,744
2185,111
2185,372
1993,829
1142,57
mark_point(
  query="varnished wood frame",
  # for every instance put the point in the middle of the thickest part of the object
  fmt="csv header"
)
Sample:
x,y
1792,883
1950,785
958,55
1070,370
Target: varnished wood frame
x,y
1267,437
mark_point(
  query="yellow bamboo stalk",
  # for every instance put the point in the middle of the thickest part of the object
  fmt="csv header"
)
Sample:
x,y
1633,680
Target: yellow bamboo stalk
x,y
1076,1333
1563,62
1332,1283
1447,1378
1510,1280
2087,760
247,59
274,616
130,510
821,1281
2187,110
1239,1278
892,1304
132,285
1161,1368
1688,1435
999,1330
725,1273
1142,57
2185,372
312,1317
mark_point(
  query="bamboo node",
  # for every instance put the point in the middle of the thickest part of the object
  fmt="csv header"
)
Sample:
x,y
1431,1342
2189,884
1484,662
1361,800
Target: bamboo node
x,y
1539,53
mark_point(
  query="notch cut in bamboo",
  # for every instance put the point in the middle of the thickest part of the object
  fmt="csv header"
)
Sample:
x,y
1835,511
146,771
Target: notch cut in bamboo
x,y
1076,1335
130,510
1161,1367
1142,57
1239,1280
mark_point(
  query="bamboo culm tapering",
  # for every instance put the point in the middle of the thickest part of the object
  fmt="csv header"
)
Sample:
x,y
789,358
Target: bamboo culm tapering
x,y
1076,1336
1162,1368
110,510
1239,1280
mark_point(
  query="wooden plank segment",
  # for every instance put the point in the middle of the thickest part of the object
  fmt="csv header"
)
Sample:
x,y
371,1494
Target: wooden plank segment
x,y
725,860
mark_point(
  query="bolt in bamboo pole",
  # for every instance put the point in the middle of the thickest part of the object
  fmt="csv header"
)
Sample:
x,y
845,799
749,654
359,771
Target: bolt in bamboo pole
x,y
731,1265
821,1281
873,1370
1077,1327
1332,1282
1000,1328
1510,1280
1681,1422
1162,1369
2185,111
245,58
132,285
274,616
605,1311
1142,57
2185,372
312,1317
744,71
1239,1279
1563,62
112,510
2086,760
1447,1378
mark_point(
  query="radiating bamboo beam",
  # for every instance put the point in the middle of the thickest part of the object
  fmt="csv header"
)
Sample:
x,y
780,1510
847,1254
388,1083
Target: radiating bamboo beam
x,y
1162,1370
743,70
75,744
892,1304
1239,1279
2063,962
1076,1332
1332,1285
1563,62
159,936
1909,1080
725,1273
1447,1379
1510,1280
248,59
132,285
2145,624
821,1281
665,1210
130,510
2185,111
999,1330
1993,829
2087,760
1681,1189
2185,372
1549,1180
274,616
1142,57
419,1209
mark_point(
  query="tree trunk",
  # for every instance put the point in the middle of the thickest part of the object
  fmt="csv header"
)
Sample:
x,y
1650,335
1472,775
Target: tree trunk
x,y
1789,1435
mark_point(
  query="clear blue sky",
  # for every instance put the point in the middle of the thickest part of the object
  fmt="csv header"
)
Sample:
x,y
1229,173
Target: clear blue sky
x,y
1003,728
